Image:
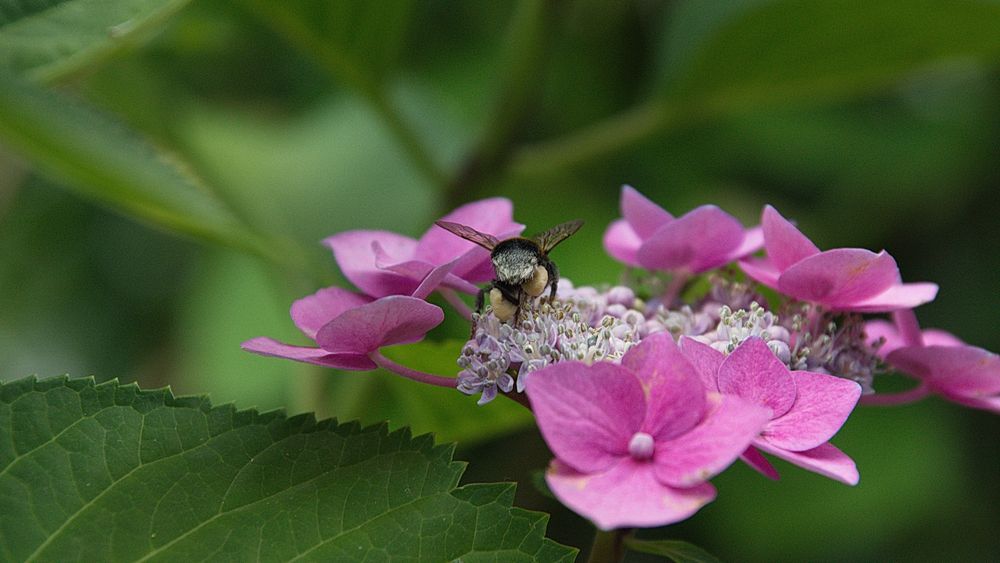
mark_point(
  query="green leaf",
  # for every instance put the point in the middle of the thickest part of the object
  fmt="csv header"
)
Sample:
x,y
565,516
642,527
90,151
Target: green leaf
x,y
47,39
675,550
98,157
111,473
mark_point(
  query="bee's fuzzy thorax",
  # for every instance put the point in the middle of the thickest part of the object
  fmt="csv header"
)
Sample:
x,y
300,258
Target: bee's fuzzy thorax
x,y
514,260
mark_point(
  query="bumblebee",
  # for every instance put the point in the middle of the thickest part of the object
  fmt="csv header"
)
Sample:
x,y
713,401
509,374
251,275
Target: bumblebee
x,y
522,266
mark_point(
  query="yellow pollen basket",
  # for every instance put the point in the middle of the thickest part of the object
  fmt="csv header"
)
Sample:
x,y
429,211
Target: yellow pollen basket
x,y
502,309
536,285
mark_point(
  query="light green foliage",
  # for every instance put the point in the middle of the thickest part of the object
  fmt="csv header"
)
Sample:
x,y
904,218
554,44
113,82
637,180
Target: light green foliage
x,y
101,158
50,38
111,473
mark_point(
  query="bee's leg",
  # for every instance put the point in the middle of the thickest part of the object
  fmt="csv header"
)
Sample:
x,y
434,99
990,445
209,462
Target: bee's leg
x,y
553,271
481,296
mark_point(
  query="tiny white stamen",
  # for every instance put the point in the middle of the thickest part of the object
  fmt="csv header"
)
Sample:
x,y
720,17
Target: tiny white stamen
x,y
640,447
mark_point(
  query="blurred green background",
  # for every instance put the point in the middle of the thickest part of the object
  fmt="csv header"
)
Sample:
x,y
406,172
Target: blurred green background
x,y
168,168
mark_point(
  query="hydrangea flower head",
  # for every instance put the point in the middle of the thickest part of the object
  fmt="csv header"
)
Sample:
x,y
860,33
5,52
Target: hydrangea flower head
x,y
636,442
648,236
842,279
806,409
381,263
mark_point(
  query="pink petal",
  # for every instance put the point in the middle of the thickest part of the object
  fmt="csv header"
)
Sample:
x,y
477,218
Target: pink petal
x,y
753,240
712,445
390,320
356,257
642,215
625,495
840,277
698,241
474,267
761,270
785,244
822,404
432,280
412,270
883,329
587,414
753,372
825,459
937,337
896,297
752,457
675,397
454,282
494,216
622,242
705,359
317,356
313,311
908,327
991,404
959,371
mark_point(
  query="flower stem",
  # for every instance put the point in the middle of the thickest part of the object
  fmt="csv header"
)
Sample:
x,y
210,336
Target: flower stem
x,y
901,398
608,547
431,379
456,302
674,289
519,398
529,39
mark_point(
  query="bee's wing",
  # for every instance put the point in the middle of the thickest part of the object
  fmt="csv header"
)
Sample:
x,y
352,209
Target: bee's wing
x,y
549,239
484,240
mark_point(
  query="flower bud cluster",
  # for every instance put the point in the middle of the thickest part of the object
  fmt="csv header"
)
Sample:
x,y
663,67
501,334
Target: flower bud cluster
x,y
581,324
589,325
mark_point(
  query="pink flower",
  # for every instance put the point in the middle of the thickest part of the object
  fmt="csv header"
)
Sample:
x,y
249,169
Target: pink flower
x,y
843,279
806,408
350,328
381,263
651,238
943,364
635,443
963,374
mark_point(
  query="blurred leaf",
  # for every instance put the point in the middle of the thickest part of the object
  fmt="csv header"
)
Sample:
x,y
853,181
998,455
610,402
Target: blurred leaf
x,y
906,458
111,473
232,298
50,38
364,39
786,52
795,50
371,33
74,278
675,550
347,56
330,169
99,158
688,27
